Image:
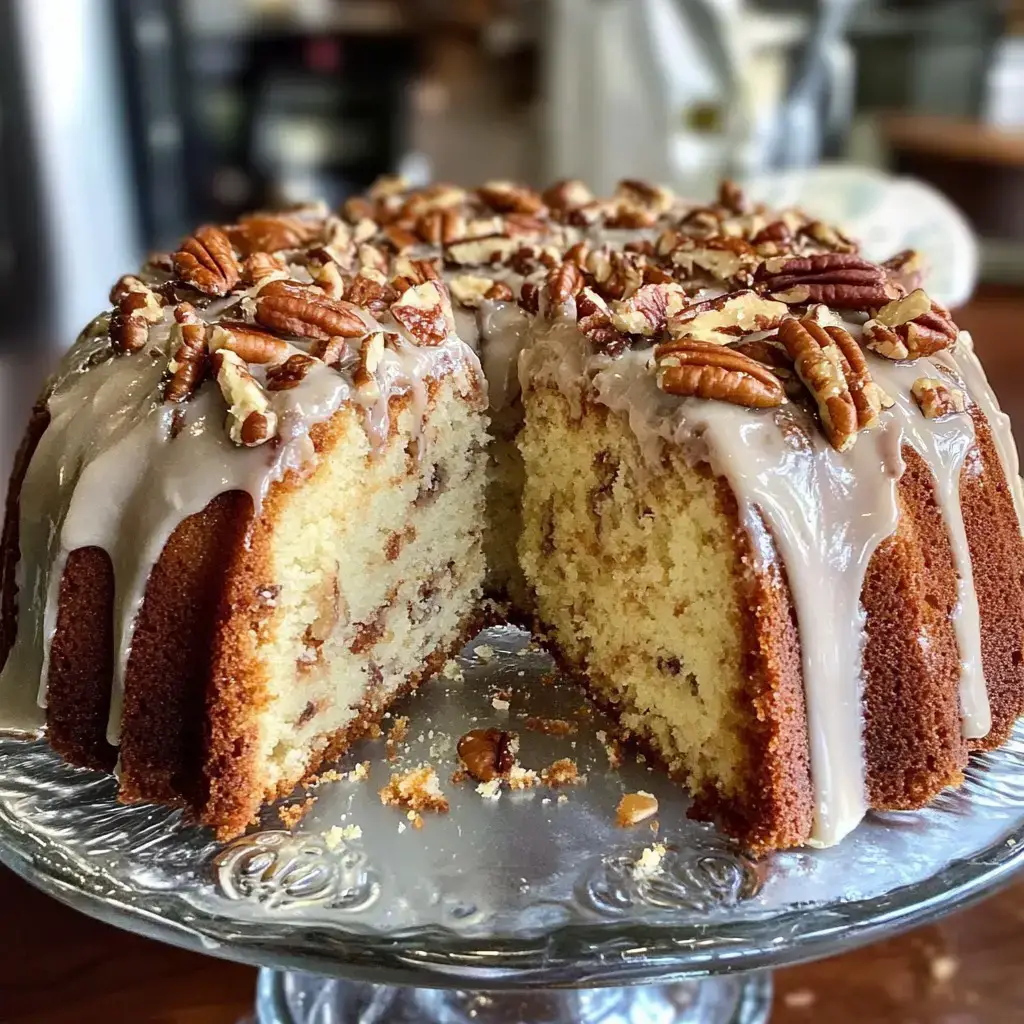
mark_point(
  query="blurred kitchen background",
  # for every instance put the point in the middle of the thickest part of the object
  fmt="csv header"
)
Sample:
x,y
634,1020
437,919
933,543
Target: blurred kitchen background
x,y
123,123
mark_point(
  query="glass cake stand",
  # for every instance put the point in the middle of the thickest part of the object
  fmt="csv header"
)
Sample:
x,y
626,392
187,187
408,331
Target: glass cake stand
x,y
534,907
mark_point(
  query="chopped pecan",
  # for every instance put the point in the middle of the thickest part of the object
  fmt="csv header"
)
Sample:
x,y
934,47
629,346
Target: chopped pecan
x,y
266,232
653,198
128,333
726,317
910,327
832,368
469,289
906,269
125,285
331,351
647,310
701,221
372,257
617,274
291,373
776,233
523,225
250,420
400,238
481,251
388,185
732,198
843,280
207,262
328,278
357,208
562,283
703,369
628,217
365,375
488,753
305,313
441,227
725,259
248,342
137,308
499,292
528,258
370,289
410,272
260,268
529,297
568,194
936,398
187,364
827,237
507,197
594,320
424,310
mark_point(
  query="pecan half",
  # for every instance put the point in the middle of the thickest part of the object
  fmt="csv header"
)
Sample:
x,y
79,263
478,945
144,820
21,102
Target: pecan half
x,y
726,317
248,342
128,333
832,368
260,268
487,753
843,280
936,398
568,194
425,312
305,313
910,327
187,364
647,310
507,197
250,419
207,262
562,283
137,308
705,370
291,373
267,232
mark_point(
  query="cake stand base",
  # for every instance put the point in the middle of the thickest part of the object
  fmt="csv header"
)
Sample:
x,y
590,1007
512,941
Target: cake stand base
x,y
295,997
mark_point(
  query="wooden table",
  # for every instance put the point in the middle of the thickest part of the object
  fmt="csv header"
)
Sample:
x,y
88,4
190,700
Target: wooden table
x,y
60,967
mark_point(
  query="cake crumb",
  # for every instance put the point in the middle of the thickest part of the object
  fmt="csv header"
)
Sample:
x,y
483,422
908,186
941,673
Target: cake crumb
x,y
562,772
635,807
416,818
490,790
418,790
360,772
336,835
551,726
453,671
330,775
292,814
499,705
397,735
800,999
401,827
522,778
649,862
485,652
562,798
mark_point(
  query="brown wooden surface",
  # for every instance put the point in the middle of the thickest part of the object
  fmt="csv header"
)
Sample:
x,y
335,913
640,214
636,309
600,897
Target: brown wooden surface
x,y
60,967
954,138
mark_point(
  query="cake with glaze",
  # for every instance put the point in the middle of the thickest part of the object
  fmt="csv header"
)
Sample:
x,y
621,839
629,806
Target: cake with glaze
x,y
751,488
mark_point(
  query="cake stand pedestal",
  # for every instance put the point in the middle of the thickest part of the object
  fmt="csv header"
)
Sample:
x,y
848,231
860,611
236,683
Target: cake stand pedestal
x,y
534,907
295,997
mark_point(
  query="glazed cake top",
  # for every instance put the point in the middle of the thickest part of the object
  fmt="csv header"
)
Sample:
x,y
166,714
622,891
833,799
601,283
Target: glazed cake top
x,y
761,343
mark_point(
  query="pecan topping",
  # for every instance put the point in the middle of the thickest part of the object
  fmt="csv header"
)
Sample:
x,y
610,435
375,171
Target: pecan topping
x,y
629,217
488,753
306,314
618,274
506,197
250,420
425,312
370,289
331,351
470,290
128,333
937,397
409,272
843,280
187,364
707,370
634,808
499,292
642,194
731,197
207,262
370,257
481,251
562,283
726,259
906,269
265,232
260,268
137,308
594,320
370,355
248,342
827,237
529,297
647,310
441,227
833,370
291,373
328,278
910,327
729,316
567,195
125,285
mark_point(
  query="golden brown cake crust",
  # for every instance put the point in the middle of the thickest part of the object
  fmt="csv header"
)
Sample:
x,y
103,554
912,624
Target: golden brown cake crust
x,y
912,742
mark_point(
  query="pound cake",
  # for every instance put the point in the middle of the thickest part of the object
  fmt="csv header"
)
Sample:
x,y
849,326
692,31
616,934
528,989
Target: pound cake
x,y
751,488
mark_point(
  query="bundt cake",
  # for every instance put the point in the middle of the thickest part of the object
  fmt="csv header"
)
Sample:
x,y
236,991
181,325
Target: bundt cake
x,y
751,488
